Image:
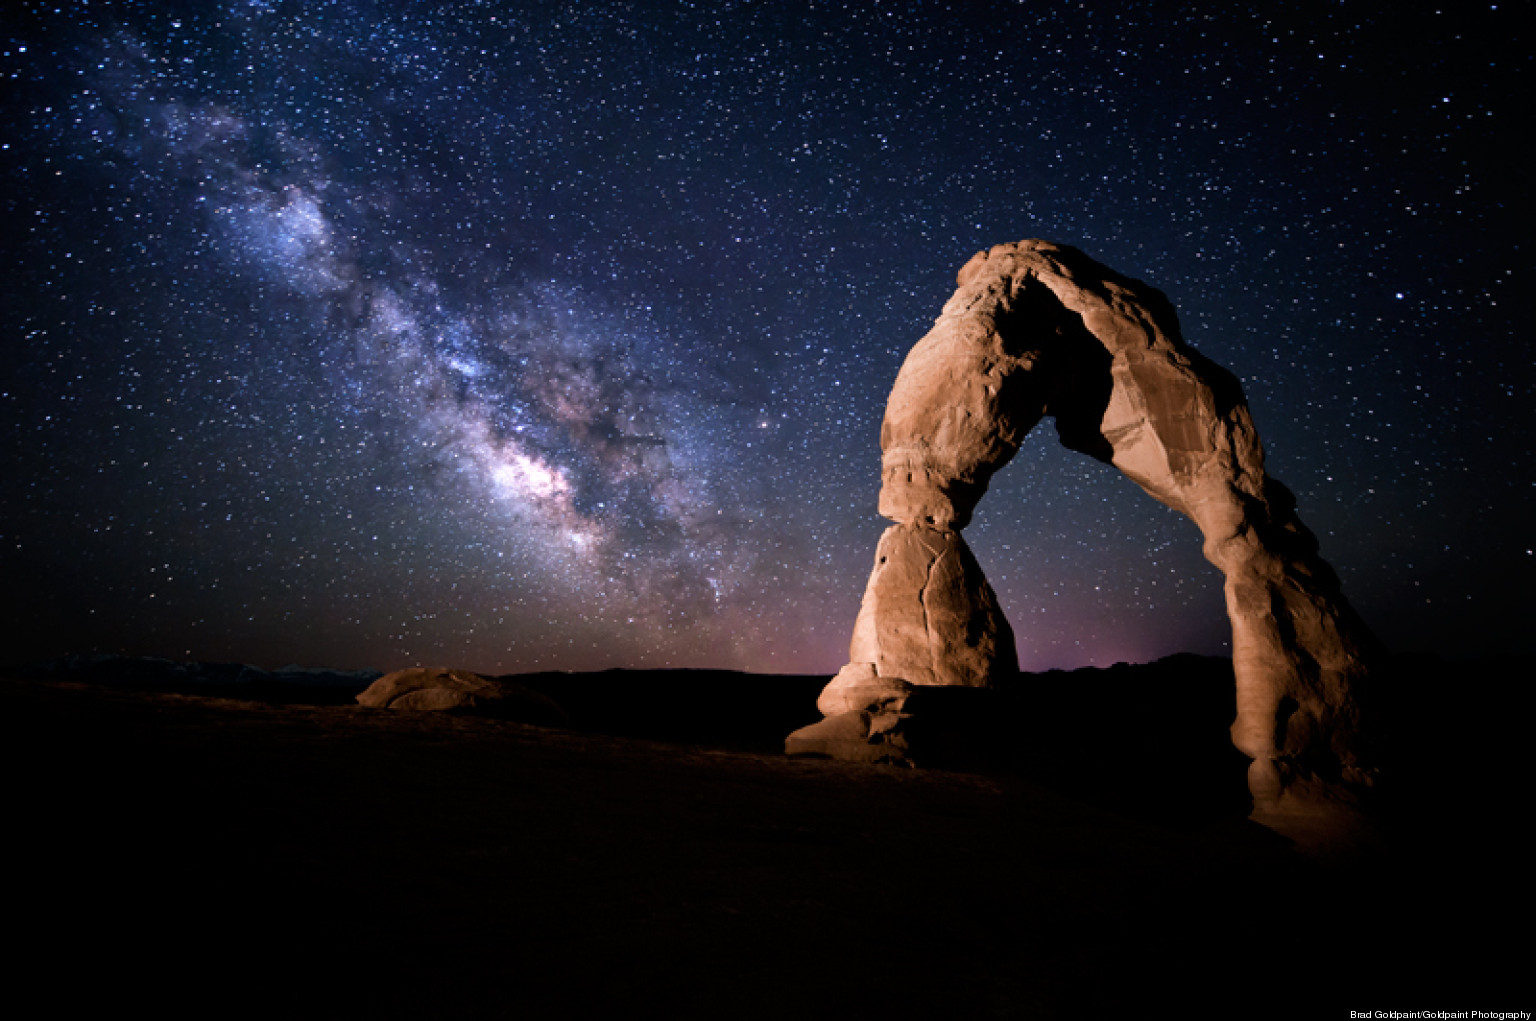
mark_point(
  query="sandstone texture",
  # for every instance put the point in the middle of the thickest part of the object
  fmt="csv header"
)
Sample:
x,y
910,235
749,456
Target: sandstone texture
x,y
857,687
1038,329
854,737
929,616
441,688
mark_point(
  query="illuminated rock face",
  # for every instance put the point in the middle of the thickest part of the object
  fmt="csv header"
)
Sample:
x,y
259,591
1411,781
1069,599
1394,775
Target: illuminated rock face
x,y
443,689
1039,329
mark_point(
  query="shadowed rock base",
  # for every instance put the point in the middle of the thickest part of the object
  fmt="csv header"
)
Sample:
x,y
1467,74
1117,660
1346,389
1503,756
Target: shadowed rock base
x,y
1034,330
853,737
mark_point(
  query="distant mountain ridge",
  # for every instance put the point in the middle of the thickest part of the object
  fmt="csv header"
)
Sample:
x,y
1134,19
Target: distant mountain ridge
x,y
162,674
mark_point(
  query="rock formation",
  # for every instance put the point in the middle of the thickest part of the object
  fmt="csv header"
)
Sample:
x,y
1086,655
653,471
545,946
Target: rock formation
x,y
439,688
1039,329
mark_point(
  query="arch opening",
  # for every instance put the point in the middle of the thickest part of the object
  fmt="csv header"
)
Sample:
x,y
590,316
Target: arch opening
x,y
1089,570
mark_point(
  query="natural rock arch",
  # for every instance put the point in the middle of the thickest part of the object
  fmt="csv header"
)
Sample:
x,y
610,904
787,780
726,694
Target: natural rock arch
x,y
1040,329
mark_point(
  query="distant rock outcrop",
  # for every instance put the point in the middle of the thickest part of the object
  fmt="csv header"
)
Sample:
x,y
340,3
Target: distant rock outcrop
x,y
441,688
1039,329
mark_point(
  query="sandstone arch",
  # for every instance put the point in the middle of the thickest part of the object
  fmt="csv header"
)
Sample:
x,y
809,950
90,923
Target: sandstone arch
x,y
1039,329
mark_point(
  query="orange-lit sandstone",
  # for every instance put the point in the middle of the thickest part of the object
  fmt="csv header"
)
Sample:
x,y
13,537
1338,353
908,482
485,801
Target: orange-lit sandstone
x,y
1037,329
441,688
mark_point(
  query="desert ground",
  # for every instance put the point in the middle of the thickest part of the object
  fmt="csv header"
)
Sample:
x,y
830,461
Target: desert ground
x,y
218,850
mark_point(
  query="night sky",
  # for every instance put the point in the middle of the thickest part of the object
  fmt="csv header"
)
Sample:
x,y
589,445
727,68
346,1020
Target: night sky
x,y
521,336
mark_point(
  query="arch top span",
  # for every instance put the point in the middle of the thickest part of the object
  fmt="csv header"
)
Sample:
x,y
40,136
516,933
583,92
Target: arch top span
x,y
1038,329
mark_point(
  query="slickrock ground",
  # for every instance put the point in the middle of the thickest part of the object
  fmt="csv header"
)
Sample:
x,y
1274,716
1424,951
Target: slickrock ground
x,y
194,855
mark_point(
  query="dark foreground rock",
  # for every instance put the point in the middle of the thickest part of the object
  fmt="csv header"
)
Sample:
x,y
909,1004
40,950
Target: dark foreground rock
x,y
219,857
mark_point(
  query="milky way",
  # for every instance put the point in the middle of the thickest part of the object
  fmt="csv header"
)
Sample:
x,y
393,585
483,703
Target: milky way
x,y
539,335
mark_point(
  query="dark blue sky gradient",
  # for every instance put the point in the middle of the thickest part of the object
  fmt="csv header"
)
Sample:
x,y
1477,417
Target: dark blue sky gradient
x,y
536,335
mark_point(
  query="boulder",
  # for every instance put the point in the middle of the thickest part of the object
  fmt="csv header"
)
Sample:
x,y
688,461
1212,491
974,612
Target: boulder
x,y
385,690
853,737
441,688
435,699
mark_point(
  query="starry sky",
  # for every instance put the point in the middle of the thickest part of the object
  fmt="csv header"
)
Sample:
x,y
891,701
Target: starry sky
x,y
524,336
